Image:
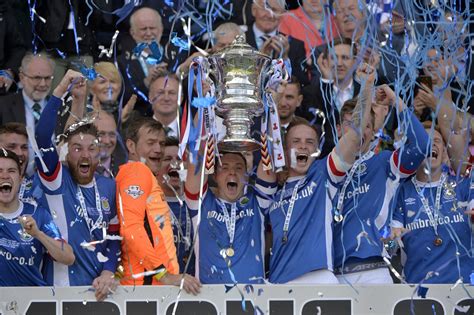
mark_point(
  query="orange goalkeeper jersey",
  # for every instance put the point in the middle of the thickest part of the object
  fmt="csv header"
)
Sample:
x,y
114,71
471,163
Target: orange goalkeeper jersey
x,y
145,225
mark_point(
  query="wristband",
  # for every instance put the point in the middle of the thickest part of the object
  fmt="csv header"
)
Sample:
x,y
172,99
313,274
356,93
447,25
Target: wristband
x,y
160,275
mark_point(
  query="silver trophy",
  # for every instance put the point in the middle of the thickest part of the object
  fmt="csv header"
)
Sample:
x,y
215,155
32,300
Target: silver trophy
x,y
239,72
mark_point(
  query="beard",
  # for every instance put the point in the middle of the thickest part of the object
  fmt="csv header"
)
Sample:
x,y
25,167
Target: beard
x,y
80,177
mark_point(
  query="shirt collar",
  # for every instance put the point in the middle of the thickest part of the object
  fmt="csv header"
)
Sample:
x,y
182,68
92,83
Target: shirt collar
x,y
258,33
29,102
347,89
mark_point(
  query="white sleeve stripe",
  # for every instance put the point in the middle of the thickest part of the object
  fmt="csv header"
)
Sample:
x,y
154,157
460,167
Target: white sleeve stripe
x,y
56,183
396,224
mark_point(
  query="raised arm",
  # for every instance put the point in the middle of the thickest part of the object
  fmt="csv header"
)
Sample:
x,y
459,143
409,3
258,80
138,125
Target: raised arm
x,y
454,126
409,157
350,143
47,123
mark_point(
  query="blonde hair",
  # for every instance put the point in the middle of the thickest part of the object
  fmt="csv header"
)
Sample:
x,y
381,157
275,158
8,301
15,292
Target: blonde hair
x,y
108,70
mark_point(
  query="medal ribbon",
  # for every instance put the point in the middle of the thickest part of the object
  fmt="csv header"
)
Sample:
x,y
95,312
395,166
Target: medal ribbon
x,y
340,200
82,202
432,215
229,220
181,235
291,205
22,189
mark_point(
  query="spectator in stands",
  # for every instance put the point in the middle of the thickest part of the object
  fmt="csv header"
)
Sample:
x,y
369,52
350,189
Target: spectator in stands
x,y
83,204
265,36
350,18
230,244
148,243
358,249
169,178
335,86
30,231
430,217
111,155
164,99
36,74
105,89
311,23
145,27
289,101
301,215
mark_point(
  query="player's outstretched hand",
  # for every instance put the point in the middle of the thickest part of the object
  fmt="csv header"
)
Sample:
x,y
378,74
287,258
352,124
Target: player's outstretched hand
x,y
104,285
190,284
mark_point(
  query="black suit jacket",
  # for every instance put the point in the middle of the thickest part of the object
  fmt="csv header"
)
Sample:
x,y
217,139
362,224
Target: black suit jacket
x,y
126,60
12,108
296,55
319,95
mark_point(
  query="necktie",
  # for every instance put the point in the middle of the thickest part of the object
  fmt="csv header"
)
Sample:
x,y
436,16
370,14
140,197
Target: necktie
x,y
263,39
36,112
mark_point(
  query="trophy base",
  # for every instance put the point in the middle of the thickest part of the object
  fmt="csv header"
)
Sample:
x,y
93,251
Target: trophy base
x,y
239,145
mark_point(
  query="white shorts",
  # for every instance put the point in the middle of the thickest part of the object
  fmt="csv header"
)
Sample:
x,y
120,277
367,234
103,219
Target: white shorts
x,y
322,276
380,275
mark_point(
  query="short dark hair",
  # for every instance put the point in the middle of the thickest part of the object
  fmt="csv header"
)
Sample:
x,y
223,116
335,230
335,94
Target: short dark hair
x,y
294,80
347,108
142,122
14,127
222,153
7,154
341,41
87,129
171,142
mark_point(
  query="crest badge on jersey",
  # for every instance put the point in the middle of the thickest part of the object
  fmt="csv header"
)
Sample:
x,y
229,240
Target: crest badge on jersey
x,y
362,168
24,236
105,203
134,191
243,201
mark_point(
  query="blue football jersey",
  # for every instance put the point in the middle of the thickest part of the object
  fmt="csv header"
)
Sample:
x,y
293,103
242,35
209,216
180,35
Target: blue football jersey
x,y
246,264
368,192
309,239
21,255
426,257
183,237
61,193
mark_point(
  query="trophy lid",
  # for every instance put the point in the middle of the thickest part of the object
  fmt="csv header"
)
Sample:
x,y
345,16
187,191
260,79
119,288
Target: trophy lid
x,y
240,47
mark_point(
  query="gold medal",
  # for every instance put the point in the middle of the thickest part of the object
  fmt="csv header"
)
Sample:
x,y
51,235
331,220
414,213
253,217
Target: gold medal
x,y
230,252
438,241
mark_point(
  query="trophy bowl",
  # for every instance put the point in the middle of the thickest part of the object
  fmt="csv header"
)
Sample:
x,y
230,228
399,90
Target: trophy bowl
x,y
239,72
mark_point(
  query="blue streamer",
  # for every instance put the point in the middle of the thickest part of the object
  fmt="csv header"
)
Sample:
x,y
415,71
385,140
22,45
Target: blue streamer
x,y
73,17
203,102
89,73
422,291
156,50
183,44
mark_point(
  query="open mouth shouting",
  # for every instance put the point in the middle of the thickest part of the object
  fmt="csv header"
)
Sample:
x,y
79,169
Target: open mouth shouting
x,y
232,187
301,158
84,168
6,188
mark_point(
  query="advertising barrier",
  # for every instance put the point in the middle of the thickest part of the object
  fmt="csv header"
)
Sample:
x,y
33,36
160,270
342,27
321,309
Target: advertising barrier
x,y
243,299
